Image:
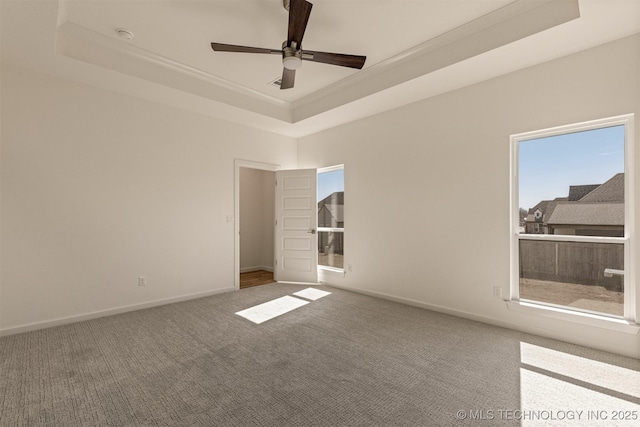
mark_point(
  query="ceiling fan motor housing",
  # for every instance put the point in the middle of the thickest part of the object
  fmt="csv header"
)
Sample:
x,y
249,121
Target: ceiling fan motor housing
x,y
291,57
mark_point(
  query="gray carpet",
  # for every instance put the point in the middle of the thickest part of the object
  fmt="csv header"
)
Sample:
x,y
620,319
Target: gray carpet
x,y
343,360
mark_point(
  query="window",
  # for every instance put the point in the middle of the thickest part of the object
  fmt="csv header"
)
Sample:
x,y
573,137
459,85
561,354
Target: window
x,y
574,251
331,218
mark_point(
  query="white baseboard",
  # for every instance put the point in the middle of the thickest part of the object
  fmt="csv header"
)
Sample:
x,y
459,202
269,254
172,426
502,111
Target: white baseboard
x,y
624,351
108,312
426,306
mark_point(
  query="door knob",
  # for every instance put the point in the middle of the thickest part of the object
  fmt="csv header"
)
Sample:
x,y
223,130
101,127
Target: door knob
x,y
311,231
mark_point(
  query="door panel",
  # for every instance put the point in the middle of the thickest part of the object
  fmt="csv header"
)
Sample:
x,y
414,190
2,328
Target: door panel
x,y
296,225
296,243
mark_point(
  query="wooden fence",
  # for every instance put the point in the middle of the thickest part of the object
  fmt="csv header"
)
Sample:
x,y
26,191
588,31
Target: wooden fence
x,y
572,262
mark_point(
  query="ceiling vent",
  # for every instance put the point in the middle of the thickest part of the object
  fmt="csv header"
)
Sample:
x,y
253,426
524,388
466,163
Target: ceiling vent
x,y
276,83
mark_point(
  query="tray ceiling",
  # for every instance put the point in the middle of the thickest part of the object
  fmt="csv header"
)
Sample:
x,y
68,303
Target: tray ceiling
x,y
414,49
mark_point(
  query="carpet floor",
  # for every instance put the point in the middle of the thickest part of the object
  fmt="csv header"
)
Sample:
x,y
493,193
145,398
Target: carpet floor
x,y
342,360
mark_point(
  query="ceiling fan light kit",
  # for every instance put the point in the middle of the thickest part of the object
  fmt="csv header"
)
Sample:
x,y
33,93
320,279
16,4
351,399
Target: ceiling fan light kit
x,y
292,53
291,58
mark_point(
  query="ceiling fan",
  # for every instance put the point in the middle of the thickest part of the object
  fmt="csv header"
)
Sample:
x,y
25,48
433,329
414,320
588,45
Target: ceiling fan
x,y
292,53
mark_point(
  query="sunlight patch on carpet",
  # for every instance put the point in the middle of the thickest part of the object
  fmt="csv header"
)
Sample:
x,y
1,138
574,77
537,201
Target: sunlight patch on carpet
x,y
270,309
546,400
311,294
616,378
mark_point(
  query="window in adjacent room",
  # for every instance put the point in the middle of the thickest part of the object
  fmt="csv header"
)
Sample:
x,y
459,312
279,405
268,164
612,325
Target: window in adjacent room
x,y
331,218
573,251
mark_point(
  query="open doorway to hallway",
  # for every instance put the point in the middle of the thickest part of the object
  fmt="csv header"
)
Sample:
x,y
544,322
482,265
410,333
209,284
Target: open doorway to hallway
x,y
256,219
255,278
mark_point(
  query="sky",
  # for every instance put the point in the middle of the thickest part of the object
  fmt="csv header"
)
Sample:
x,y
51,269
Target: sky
x,y
548,166
330,182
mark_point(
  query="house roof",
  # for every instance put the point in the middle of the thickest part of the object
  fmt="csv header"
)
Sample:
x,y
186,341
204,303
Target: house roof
x,y
335,198
587,214
541,205
611,191
334,203
552,206
547,207
577,192
590,204
337,212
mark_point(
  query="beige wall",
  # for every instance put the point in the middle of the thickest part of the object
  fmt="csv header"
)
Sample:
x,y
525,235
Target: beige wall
x,y
257,216
442,161
99,188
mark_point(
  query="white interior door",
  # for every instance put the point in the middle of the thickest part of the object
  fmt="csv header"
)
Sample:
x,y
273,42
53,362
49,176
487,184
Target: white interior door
x,y
296,245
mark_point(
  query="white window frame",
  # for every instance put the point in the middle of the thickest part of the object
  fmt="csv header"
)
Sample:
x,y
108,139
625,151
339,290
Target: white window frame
x,y
631,316
331,229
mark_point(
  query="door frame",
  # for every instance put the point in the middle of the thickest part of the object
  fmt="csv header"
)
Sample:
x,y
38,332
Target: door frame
x,y
249,164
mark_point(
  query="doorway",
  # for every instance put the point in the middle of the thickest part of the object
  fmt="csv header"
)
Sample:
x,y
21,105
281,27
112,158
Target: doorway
x,y
256,278
254,223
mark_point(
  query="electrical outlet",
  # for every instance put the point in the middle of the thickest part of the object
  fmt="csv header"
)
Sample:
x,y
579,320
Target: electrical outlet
x,y
349,268
497,291
142,281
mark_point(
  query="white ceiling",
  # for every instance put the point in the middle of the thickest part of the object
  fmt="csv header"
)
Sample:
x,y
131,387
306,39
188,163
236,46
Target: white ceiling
x,y
183,31
414,49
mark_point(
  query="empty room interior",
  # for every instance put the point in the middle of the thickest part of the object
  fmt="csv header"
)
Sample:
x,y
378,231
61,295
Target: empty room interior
x,y
427,218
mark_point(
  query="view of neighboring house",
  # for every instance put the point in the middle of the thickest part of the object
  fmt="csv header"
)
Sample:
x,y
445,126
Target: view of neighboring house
x,y
589,210
331,210
331,215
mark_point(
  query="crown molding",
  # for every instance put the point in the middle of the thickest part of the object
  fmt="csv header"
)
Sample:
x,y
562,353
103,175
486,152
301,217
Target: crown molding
x,y
83,44
508,24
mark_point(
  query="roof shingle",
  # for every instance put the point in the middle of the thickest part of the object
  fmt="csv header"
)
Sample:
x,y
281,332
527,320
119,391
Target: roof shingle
x,y
588,214
611,191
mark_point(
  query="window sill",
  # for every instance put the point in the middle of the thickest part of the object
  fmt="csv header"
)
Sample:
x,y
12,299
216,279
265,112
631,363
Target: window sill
x,y
604,322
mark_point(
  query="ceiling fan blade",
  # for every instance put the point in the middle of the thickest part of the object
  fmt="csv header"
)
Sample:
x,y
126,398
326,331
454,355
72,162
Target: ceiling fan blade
x,y
344,60
299,11
221,47
288,78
